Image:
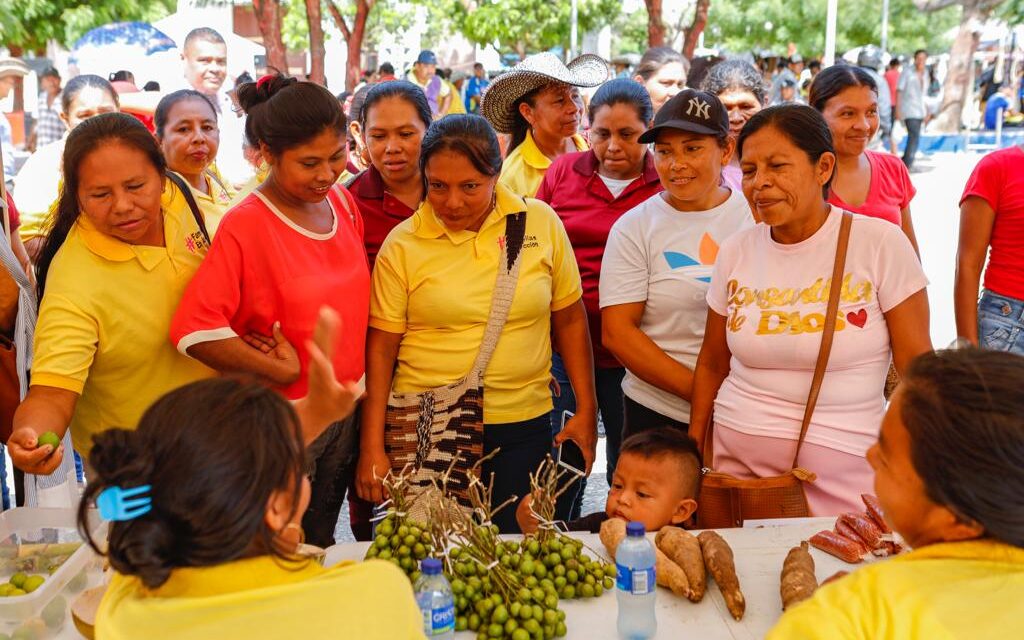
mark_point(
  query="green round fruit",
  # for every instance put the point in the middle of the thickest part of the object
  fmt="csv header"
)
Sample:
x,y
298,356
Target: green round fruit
x,y
49,438
520,634
55,612
19,579
17,592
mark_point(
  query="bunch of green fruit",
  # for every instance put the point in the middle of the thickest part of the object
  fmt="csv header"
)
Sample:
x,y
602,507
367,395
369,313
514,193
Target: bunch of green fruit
x,y
403,542
20,584
561,559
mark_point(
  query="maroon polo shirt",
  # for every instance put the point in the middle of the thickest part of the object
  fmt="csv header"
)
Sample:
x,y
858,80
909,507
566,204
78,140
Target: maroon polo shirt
x,y
381,211
576,192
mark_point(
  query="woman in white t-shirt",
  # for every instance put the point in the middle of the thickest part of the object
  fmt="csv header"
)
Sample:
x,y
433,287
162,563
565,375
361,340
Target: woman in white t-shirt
x,y
657,264
768,295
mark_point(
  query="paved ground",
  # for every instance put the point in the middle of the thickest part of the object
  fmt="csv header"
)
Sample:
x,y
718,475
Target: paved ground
x,y
935,209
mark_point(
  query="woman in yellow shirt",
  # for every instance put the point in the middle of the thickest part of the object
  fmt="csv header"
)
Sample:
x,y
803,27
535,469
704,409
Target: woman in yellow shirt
x,y
949,473
123,246
433,284
210,549
186,127
538,102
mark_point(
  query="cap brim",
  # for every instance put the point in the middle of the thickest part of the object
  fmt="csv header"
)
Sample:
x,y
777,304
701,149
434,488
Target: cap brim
x,y
651,135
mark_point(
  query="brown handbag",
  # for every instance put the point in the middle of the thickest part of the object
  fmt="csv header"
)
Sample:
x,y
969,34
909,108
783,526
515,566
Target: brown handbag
x,y
725,500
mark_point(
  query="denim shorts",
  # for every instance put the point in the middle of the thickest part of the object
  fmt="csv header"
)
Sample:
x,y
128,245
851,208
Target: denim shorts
x,y
1001,323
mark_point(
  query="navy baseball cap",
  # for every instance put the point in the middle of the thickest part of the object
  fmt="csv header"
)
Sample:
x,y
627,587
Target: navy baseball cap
x,y
690,110
426,57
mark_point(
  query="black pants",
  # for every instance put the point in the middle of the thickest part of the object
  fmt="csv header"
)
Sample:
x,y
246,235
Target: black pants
x,y
523,446
638,418
913,138
331,463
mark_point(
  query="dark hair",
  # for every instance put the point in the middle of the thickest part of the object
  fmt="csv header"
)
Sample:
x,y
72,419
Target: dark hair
x,y
152,85
895,62
665,440
355,108
836,79
396,89
964,410
657,57
732,75
83,140
203,33
387,68
75,86
242,79
343,96
919,51
163,108
213,453
814,64
804,126
283,113
478,65
466,134
49,72
122,76
623,91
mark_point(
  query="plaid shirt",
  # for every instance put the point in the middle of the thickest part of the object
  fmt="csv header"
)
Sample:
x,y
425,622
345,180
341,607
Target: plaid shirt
x,y
49,126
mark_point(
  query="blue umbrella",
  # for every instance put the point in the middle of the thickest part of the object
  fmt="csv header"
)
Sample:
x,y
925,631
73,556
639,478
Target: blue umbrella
x,y
143,36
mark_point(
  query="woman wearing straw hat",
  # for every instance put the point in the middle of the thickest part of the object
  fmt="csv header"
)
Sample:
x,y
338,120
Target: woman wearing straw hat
x,y
538,103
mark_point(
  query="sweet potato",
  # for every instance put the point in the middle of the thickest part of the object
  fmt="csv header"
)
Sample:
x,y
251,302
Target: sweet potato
x,y
683,548
667,573
719,562
798,581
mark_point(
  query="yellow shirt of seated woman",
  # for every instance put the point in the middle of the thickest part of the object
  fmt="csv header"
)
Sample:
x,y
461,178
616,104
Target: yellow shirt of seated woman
x,y
264,597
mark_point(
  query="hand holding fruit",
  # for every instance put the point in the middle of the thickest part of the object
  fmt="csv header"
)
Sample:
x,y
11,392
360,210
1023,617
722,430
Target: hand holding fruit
x,y
31,452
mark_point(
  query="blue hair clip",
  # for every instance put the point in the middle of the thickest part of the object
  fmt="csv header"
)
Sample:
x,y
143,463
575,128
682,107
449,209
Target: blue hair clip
x,y
117,504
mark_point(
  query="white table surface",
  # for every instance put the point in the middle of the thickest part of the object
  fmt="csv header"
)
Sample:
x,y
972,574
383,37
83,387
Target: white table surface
x,y
759,553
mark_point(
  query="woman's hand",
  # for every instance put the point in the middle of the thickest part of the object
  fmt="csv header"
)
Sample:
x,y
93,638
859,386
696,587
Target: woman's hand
x,y
277,348
372,466
581,429
27,455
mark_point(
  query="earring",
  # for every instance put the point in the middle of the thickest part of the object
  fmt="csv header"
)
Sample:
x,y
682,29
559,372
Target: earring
x,y
296,526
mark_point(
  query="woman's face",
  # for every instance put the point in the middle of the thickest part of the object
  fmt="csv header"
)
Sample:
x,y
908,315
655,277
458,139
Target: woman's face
x,y
741,105
852,115
555,112
613,137
307,172
90,101
461,196
190,138
667,82
119,192
392,135
780,182
690,168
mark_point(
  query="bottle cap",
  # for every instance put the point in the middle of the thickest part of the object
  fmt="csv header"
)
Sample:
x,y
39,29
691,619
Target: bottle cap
x,y
635,529
431,567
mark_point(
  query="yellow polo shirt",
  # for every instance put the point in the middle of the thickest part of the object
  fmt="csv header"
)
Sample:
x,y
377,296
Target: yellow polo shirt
x,y
961,590
524,168
215,204
262,597
434,287
104,321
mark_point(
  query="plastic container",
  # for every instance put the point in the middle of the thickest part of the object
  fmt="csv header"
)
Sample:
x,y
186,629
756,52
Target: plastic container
x,y
434,597
636,584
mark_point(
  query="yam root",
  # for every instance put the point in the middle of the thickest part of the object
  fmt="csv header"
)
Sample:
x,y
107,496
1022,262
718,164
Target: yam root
x,y
874,509
668,573
683,548
720,564
832,543
798,581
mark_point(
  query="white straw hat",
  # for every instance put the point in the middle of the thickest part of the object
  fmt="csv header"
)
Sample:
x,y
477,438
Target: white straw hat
x,y
532,73
12,67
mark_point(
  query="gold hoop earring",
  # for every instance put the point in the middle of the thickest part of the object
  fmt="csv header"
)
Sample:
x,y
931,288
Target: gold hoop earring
x,y
294,525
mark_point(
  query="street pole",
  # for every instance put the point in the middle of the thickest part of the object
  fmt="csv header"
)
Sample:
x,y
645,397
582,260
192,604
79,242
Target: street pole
x,y
572,31
885,26
830,34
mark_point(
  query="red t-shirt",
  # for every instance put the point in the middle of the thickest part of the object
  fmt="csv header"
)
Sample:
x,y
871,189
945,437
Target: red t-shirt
x,y
12,213
588,210
892,78
999,180
889,193
264,268
381,211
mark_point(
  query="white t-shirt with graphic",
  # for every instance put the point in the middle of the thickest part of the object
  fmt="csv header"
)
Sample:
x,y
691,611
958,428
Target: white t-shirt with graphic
x,y
774,297
663,258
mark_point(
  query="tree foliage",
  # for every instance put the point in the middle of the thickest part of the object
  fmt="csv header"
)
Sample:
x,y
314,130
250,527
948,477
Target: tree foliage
x,y
529,26
30,24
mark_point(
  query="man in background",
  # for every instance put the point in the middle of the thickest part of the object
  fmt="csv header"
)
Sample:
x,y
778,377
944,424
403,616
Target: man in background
x,y
424,74
49,126
475,88
912,88
10,70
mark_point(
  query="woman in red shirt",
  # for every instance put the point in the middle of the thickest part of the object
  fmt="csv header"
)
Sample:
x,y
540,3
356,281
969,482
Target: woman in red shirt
x,y
294,245
590,190
866,182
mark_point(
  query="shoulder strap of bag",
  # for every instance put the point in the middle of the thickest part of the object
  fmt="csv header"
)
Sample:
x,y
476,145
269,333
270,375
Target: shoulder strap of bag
x,y
829,332
504,288
3,201
196,213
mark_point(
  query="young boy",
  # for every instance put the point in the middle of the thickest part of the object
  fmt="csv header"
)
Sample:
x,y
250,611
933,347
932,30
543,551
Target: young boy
x,y
656,482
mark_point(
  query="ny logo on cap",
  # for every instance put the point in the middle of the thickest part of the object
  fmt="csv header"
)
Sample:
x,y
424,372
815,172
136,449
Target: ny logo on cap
x,y
703,108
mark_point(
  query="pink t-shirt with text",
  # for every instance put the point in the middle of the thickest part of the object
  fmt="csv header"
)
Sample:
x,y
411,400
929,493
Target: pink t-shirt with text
x,y
774,297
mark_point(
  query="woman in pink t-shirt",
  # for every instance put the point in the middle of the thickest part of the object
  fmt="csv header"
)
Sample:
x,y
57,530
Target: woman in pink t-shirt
x,y
866,182
768,294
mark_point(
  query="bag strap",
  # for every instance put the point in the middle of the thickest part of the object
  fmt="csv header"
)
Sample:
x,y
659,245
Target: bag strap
x,y
504,287
3,201
196,213
829,332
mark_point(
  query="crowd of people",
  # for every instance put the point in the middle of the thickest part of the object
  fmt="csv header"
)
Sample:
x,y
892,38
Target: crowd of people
x,y
563,249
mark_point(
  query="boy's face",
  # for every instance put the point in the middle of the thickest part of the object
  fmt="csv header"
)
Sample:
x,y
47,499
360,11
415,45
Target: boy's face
x,y
650,490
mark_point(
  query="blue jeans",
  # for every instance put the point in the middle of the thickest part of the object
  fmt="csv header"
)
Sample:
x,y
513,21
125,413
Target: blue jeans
x,y
1001,323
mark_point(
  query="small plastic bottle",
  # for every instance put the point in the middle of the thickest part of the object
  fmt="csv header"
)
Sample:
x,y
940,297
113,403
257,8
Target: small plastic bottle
x,y
635,584
434,597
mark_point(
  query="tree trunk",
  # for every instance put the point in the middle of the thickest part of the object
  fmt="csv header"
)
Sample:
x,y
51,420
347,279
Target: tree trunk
x,y
961,67
316,42
655,24
268,17
700,20
353,37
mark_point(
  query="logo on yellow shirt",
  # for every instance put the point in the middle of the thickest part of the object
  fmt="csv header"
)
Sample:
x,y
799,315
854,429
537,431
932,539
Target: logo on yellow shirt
x,y
195,242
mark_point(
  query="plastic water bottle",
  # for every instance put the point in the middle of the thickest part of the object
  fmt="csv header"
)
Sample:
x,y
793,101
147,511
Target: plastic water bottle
x,y
434,597
635,582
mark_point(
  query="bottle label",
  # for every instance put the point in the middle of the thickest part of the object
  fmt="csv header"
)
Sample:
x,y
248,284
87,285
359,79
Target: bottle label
x,y
639,582
439,621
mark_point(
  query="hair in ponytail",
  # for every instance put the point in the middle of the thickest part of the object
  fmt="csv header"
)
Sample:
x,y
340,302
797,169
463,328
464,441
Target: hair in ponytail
x,y
283,113
213,453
